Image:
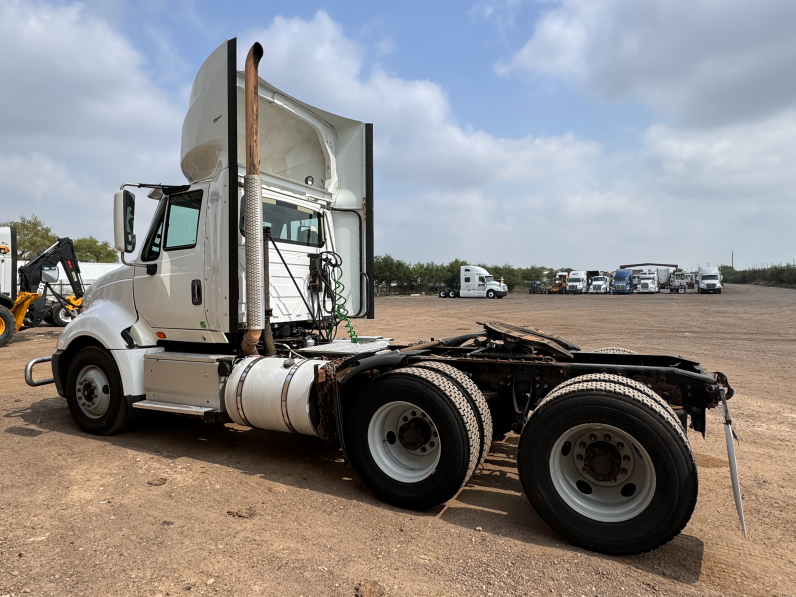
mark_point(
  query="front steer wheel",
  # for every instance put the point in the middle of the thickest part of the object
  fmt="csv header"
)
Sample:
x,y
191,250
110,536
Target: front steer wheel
x,y
608,468
94,392
413,437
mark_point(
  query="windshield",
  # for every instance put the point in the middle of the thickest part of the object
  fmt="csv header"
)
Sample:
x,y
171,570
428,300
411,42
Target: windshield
x,y
576,280
293,223
710,277
622,278
598,279
489,279
647,277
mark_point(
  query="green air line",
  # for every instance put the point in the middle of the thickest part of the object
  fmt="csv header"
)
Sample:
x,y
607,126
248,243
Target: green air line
x,y
340,311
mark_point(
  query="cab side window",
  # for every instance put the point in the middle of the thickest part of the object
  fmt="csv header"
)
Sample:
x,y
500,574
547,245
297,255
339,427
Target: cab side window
x,y
151,250
467,279
182,220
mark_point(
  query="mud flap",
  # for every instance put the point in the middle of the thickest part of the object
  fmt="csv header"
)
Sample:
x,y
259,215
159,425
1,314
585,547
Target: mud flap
x,y
736,485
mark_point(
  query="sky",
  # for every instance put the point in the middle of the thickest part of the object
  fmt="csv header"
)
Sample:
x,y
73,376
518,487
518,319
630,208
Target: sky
x,y
571,133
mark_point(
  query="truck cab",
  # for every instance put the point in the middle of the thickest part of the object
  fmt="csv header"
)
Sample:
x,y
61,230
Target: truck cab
x,y
476,282
577,282
536,287
600,284
623,281
709,280
648,283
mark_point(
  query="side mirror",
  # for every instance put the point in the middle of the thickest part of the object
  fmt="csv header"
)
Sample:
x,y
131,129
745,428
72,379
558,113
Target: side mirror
x,y
123,220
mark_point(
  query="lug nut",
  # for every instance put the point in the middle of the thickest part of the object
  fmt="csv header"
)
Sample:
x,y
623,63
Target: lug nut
x,y
582,445
622,471
626,458
423,415
583,469
592,437
423,449
432,444
579,457
433,434
414,413
607,437
405,419
620,445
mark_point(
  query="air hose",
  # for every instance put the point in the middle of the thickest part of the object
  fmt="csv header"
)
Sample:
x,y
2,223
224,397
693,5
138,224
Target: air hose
x,y
341,313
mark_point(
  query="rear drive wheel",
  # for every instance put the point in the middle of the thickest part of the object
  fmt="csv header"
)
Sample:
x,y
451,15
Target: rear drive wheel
x,y
8,325
94,392
413,438
608,468
474,396
60,316
443,294
451,294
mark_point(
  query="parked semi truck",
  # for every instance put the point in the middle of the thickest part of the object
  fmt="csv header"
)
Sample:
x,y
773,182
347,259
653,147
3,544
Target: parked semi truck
x,y
600,284
709,280
623,281
475,282
577,282
648,283
229,313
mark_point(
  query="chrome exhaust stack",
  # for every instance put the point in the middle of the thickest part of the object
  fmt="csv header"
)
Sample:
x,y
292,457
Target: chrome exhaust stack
x,y
258,316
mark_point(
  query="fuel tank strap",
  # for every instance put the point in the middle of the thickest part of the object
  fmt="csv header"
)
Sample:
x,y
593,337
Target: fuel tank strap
x,y
285,387
239,390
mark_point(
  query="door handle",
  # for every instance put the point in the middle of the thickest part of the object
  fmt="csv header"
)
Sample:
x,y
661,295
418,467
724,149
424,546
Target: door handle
x,y
196,292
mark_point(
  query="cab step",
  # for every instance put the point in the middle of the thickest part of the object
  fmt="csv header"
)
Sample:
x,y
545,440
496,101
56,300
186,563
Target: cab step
x,y
203,412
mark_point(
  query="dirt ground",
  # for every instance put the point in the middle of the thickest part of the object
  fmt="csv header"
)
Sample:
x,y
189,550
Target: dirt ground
x,y
177,507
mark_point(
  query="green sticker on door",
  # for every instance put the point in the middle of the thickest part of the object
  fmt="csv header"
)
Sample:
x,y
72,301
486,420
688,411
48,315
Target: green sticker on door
x,y
203,325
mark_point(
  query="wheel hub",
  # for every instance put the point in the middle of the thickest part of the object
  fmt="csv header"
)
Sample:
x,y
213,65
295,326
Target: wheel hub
x,y
414,434
93,392
602,462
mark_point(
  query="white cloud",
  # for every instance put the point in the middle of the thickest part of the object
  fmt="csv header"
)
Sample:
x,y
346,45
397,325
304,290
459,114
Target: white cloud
x,y
699,62
79,118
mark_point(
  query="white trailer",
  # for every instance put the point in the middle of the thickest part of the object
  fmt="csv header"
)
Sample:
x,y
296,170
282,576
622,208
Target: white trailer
x,y
229,314
475,282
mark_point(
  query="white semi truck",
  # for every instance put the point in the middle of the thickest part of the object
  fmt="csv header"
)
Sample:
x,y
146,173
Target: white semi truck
x,y
475,282
600,284
648,282
229,311
709,280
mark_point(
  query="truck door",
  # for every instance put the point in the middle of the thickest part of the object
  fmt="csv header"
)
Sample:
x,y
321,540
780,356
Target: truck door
x,y
169,284
480,290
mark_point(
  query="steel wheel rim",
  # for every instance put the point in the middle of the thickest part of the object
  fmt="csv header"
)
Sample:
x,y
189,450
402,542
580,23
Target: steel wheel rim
x,y
602,499
390,449
92,391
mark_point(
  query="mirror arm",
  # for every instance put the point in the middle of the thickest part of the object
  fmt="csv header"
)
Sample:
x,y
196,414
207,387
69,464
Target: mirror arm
x,y
121,253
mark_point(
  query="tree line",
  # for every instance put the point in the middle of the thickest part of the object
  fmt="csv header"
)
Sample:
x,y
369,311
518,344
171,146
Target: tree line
x,y
34,236
400,277
771,275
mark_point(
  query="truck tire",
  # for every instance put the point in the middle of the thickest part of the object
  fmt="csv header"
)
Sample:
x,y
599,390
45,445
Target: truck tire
x,y
606,467
8,325
474,396
94,392
614,350
443,294
619,380
452,294
490,294
60,316
413,438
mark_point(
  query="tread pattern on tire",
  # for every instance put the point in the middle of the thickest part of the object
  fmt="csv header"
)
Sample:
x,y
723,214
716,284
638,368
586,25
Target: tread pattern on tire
x,y
641,398
614,350
623,381
476,399
459,403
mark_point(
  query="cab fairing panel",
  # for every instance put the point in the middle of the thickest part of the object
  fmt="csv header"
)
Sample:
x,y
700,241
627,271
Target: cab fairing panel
x,y
216,278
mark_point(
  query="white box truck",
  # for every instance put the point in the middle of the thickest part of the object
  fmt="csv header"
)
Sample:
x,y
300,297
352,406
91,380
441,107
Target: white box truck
x,y
475,282
709,280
